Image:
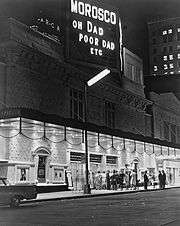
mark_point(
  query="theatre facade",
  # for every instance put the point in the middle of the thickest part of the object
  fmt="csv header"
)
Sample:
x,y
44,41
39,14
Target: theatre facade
x,y
42,104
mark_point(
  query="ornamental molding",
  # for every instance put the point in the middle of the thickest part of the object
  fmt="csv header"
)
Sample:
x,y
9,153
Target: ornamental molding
x,y
126,98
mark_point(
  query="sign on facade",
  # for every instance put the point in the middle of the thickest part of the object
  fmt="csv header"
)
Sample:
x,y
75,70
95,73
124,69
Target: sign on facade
x,y
93,33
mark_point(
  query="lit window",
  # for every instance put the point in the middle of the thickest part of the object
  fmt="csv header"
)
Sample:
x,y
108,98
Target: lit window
x,y
165,73
171,72
165,67
178,29
169,31
171,66
155,68
164,32
178,55
165,58
178,71
171,57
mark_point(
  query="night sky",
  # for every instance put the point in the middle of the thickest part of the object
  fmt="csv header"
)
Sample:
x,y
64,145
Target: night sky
x,y
134,14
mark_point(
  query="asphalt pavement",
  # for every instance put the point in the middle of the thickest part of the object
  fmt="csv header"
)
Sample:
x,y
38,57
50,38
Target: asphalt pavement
x,y
143,208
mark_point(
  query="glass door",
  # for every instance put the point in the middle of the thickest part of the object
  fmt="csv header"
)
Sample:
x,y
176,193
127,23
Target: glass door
x,y
42,169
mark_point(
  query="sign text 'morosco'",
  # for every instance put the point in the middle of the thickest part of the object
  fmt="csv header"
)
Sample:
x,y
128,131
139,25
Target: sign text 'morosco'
x,y
94,12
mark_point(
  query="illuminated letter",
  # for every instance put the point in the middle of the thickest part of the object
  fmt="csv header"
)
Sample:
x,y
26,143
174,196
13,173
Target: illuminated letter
x,y
73,6
81,8
106,16
94,12
88,10
89,26
113,18
100,14
80,37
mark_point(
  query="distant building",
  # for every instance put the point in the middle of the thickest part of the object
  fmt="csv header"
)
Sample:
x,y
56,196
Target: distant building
x,y
164,46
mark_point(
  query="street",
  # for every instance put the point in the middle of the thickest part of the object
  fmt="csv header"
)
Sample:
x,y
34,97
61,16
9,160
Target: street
x,y
146,208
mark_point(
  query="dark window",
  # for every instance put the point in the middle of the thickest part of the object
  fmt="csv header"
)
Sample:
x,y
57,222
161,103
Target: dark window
x,y
178,64
164,38
173,133
164,49
153,33
95,158
170,48
166,131
76,104
109,114
154,41
178,36
111,160
154,51
77,157
170,38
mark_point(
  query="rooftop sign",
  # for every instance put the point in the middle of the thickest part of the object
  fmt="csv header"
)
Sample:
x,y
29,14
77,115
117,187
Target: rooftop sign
x,y
93,34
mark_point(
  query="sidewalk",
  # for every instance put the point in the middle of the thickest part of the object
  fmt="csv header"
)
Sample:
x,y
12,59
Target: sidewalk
x,y
94,193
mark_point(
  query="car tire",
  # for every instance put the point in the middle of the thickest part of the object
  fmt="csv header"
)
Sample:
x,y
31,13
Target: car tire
x,y
15,201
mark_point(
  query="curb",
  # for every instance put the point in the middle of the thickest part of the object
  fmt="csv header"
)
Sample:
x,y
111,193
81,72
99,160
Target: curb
x,y
93,195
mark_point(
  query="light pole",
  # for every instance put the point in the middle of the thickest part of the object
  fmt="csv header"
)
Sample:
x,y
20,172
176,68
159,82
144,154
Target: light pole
x,y
87,84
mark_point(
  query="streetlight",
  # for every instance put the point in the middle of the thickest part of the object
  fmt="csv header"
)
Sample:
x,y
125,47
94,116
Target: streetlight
x,y
87,84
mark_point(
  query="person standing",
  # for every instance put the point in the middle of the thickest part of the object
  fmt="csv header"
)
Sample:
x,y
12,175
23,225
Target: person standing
x,y
121,179
127,179
133,180
146,180
114,180
163,179
160,179
108,184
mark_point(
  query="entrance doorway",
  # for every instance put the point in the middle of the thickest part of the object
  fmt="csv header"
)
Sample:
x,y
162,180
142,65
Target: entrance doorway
x,y
41,175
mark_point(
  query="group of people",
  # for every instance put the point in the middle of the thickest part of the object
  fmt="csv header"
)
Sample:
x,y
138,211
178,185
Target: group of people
x,y
114,180
125,179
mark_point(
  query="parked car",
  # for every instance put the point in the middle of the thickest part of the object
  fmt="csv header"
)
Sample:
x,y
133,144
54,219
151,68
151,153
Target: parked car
x,y
13,194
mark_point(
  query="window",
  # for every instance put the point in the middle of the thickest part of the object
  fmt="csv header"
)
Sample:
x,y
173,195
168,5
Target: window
x,y
178,47
178,29
164,49
76,104
170,38
171,72
58,174
164,58
170,48
165,67
23,173
95,158
154,41
164,32
138,75
165,73
154,51
178,64
178,56
171,66
171,57
153,33
166,131
130,71
173,133
77,156
164,39
109,114
111,160
170,31
155,68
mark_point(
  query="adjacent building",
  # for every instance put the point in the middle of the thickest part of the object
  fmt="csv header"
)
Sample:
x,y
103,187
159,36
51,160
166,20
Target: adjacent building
x,y
164,46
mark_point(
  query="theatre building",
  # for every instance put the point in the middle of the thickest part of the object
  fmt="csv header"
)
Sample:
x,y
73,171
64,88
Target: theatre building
x,y
42,112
